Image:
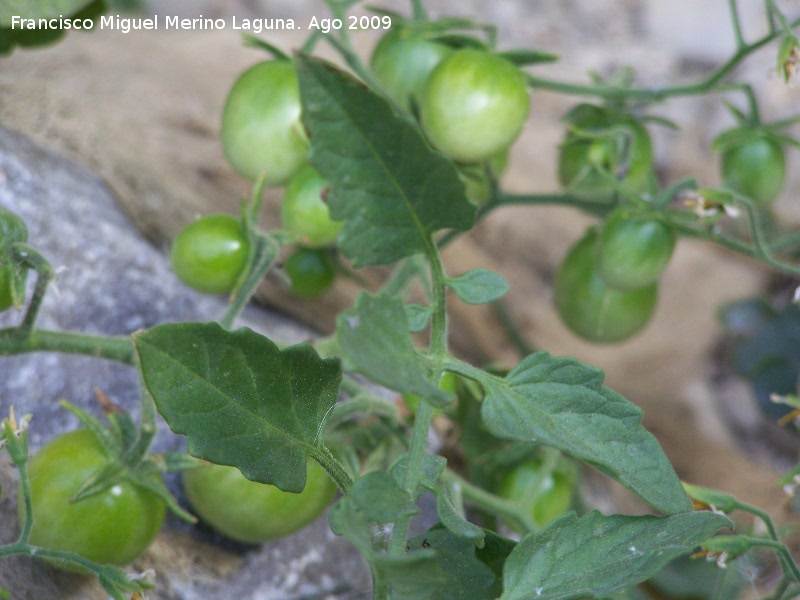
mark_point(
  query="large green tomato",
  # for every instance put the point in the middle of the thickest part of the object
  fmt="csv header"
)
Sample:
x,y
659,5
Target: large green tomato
x,y
633,250
474,105
603,143
402,62
592,309
261,128
112,527
251,512
304,212
545,495
755,167
210,254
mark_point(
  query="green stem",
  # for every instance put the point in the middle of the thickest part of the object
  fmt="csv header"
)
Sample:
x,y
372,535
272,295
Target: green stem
x,y
25,486
736,22
657,94
489,502
416,456
333,468
13,341
44,276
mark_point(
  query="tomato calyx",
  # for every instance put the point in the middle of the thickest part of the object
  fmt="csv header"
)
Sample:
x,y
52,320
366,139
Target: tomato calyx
x,y
13,269
126,448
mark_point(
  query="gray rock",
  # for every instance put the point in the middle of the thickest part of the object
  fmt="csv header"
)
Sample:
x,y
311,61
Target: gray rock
x,y
113,281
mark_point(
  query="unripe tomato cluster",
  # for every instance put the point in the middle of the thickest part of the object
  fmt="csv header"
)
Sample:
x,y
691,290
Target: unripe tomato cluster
x,y
607,286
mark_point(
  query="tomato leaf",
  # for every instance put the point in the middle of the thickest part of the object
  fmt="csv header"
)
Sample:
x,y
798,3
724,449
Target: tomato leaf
x,y
379,498
433,466
388,184
478,286
418,317
12,34
466,575
238,398
524,57
375,341
596,555
563,403
411,576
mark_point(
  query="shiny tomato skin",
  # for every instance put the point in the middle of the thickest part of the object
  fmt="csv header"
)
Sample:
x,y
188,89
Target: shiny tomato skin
x,y
474,105
112,527
251,512
261,131
210,253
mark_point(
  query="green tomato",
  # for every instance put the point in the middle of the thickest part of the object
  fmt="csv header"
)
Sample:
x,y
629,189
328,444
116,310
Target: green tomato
x,y
545,496
755,167
261,129
251,512
304,212
111,527
402,62
309,271
602,142
592,309
633,250
474,105
210,254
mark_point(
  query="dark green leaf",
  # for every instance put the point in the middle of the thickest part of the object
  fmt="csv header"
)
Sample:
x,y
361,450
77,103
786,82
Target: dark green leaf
x,y
47,9
238,398
418,317
478,286
563,403
392,189
465,576
594,555
41,9
374,339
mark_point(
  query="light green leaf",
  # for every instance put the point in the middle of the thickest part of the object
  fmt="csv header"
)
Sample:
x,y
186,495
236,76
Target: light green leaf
x,y
596,555
238,398
478,286
392,189
374,339
563,403
379,498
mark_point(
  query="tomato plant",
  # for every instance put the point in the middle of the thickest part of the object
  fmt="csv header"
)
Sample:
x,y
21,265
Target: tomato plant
x,y
402,61
12,273
310,272
210,253
603,145
304,211
261,131
545,494
474,105
633,249
252,512
592,309
113,526
754,165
